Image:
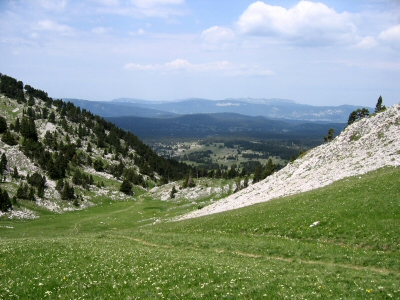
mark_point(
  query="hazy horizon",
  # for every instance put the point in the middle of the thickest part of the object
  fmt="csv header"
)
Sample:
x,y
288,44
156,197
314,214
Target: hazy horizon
x,y
318,53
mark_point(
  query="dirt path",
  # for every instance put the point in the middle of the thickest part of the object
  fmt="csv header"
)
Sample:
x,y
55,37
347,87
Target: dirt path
x,y
284,259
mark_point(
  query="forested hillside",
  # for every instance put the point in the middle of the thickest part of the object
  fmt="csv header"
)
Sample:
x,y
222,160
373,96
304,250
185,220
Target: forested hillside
x,y
52,149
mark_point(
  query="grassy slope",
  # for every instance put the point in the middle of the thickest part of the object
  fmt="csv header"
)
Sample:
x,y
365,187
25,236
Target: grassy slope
x,y
266,250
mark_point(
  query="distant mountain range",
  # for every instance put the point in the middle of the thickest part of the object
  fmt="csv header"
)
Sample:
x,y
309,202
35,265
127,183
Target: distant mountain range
x,y
269,108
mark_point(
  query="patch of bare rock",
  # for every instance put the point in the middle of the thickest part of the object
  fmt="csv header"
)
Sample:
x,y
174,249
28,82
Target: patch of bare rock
x,y
364,146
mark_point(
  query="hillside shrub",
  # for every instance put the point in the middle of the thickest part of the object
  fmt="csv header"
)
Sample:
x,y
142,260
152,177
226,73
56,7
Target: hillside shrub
x,y
5,202
126,187
9,138
355,136
36,180
3,124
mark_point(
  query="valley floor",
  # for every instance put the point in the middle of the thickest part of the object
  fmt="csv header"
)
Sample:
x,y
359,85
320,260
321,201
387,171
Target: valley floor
x,y
129,250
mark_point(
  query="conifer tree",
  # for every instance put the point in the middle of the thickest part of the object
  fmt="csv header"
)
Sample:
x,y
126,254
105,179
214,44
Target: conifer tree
x,y
270,168
15,173
379,107
9,138
3,124
31,195
17,125
52,118
173,192
31,101
3,163
21,192
126,187
257,174
5,203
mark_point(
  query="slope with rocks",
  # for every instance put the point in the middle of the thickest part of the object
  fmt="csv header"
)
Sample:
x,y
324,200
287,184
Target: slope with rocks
x,y
364,146
75,158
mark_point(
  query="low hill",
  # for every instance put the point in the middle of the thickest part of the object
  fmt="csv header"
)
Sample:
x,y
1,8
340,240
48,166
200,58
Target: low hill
x,y
366,145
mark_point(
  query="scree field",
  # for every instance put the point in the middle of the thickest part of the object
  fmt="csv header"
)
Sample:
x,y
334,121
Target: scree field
x,y
266,251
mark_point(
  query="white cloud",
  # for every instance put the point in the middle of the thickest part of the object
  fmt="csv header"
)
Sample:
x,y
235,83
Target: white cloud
x,y
367,42
102,30
391,36
49,25
222,67
217,35
138,32
307,23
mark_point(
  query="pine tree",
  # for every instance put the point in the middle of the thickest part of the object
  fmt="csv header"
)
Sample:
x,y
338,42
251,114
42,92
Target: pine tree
x,y
126,187
98,165
67,192
246,182
331,135
40,192
358,115
5,203
173,192
15,173
31,195
379,107
257,174
9,138
52,118
21,192
3,124
17,125
3,163
60,185
31,101
270,168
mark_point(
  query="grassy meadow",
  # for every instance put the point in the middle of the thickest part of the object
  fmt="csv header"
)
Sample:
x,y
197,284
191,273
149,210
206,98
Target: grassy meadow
x,y
129,250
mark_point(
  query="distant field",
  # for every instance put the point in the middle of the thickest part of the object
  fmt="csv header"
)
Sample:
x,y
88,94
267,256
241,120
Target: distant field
x,y
221,154
126,250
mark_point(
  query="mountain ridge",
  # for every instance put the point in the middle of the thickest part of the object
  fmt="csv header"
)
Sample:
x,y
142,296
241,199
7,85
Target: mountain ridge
x,y
271,108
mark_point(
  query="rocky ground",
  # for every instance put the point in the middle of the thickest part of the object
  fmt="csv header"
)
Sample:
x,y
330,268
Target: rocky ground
x,y
364,146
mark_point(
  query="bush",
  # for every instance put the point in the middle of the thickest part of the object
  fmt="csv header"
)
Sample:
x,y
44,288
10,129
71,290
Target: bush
x,y
9,138
36,180
126,187
98,165
3,124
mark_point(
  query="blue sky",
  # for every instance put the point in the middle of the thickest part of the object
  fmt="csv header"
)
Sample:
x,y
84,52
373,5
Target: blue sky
x,y
318,53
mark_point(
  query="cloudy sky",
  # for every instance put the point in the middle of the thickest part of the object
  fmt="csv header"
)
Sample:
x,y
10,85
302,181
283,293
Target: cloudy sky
x,y
319,53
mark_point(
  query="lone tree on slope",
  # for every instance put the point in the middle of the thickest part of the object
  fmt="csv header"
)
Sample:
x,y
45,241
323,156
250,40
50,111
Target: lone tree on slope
x,y
358,115
379,107
331,135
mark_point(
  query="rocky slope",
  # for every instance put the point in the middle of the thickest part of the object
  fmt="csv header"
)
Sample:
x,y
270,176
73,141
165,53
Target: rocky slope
x,y
364,146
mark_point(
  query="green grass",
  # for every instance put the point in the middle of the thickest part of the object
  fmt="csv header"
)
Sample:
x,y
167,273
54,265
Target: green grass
x,y
269,250
219,154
